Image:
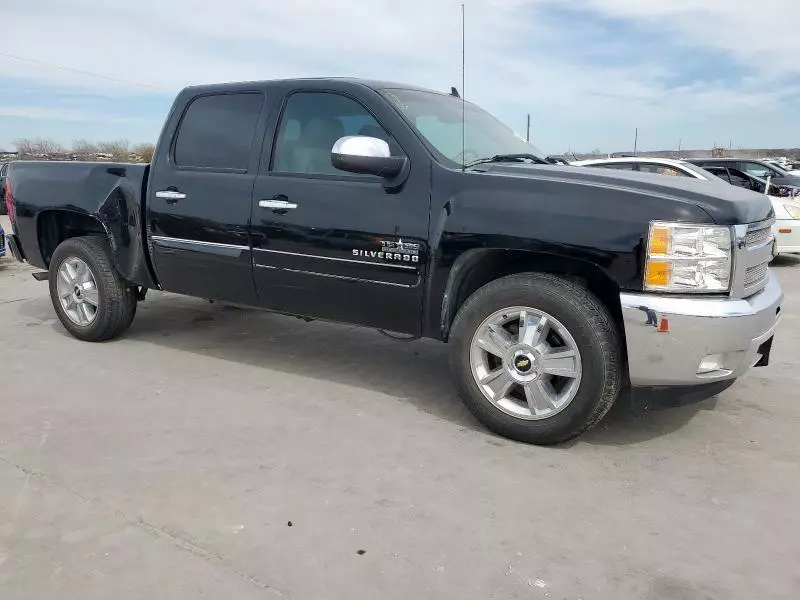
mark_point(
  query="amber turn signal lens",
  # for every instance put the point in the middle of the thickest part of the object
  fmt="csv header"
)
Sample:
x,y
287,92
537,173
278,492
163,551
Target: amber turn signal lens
x,y
659,241
658,273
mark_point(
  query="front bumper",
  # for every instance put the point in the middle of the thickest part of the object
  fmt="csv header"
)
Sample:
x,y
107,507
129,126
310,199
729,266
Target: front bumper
x,y
695,340
787,235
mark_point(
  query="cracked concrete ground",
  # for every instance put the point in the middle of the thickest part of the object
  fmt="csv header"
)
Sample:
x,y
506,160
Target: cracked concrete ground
x,y
169,464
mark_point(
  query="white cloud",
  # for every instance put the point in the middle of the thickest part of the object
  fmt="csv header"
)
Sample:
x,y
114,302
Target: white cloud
x,y
63,114
760,34
516,63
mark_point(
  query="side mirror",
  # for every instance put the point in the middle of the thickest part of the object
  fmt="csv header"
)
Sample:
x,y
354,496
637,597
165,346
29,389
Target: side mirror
x,y
366,156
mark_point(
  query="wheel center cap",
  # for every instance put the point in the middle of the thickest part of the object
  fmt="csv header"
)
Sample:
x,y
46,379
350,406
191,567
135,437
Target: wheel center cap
x,y
523,362
77,292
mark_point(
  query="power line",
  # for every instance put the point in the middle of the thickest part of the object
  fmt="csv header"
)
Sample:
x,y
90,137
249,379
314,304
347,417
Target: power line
x,y
81,72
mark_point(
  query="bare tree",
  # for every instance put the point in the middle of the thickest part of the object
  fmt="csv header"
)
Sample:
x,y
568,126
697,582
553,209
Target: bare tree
x,y
144,151
118,149
82,146
31,147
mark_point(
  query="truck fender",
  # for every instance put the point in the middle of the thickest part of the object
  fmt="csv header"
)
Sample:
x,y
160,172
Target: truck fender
x,y
478,266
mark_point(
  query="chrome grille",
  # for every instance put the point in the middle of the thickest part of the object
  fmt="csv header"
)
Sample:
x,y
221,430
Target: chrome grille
x,y
752,251
753,276
757,237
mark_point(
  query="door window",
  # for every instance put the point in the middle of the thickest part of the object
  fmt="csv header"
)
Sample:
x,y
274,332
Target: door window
x,y
758,170
742,179
310,126
217,132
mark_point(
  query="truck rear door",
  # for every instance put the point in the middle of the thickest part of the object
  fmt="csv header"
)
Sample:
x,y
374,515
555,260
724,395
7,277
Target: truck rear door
x,y
332,244
200,192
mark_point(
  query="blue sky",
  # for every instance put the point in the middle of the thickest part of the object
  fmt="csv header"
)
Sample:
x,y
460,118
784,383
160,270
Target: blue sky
x,y
589,71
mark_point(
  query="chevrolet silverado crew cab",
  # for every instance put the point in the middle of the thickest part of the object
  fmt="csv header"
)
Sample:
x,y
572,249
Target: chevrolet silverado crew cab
x,y
356,201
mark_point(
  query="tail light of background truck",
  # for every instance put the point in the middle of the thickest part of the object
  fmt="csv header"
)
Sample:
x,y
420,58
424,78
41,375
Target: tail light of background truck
x,y
10,203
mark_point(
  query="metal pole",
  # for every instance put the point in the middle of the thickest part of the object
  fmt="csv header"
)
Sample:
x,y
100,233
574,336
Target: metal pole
x,y
680,141
463,88
528,135
636,143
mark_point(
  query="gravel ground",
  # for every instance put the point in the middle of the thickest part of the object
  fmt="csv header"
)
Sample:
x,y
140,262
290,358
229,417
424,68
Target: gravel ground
x,y
218,452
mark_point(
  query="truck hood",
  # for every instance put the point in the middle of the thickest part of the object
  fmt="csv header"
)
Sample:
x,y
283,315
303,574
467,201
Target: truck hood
x,y
726,204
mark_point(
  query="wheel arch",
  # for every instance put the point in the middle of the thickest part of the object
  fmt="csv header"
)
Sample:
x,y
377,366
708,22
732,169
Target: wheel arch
x,y
53,226
479,266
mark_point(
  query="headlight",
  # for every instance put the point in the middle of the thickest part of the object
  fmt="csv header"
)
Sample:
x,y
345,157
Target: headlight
x,y
688,258
793,210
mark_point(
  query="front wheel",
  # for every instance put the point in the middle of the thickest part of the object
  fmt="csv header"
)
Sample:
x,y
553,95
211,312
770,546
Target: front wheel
x,y
536,358
90,298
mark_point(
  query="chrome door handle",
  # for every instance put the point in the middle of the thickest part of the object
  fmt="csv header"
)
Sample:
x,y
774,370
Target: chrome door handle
x,y
170,195
277,204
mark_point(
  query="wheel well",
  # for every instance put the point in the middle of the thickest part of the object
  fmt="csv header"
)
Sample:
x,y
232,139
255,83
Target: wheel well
x,y
55,226
494,264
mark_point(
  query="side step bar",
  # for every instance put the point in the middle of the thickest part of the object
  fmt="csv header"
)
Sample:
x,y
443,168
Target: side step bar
x,y
41,275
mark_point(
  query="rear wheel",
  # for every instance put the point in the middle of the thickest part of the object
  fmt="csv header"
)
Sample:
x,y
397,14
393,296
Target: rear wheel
x,y
536,357
90,298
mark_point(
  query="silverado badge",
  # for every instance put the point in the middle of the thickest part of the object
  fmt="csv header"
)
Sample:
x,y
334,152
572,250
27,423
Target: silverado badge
x,y
395,251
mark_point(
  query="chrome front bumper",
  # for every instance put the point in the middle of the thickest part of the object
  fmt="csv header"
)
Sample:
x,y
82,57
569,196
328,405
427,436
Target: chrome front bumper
x,y
694,340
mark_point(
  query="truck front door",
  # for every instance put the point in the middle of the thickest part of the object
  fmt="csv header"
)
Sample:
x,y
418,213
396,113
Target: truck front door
x,y
332,244
199,197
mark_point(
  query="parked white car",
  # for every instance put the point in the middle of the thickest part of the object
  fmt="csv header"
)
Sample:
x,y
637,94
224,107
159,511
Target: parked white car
x,y
787,210
643,164
784,164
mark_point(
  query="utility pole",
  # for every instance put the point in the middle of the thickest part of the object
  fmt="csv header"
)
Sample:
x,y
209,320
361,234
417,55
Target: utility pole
x,y
528,135
636,143
680,141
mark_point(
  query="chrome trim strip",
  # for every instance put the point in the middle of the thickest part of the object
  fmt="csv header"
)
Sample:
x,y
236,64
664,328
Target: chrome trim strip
x,y
347,260
345,278
165,239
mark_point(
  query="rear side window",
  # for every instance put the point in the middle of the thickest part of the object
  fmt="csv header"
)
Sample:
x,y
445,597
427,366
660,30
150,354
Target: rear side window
x,y
217,131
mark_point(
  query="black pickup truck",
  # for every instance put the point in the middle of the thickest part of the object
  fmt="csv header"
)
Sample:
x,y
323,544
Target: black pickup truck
x,y
359,201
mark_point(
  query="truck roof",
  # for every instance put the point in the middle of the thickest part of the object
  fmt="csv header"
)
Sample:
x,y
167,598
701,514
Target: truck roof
x,y
333,82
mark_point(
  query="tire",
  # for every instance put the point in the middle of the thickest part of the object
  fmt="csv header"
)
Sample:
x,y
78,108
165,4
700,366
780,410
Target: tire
x,y
116,300
579,320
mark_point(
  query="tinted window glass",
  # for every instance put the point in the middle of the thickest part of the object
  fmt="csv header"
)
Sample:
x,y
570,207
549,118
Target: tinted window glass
x,y
310,126
662,170
217,131
3,170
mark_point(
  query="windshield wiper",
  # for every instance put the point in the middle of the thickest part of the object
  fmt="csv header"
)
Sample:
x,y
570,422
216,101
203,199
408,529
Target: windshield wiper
x,y
501,158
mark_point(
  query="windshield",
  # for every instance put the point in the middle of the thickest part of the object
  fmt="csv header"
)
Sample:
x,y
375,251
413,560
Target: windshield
x,y
437,117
